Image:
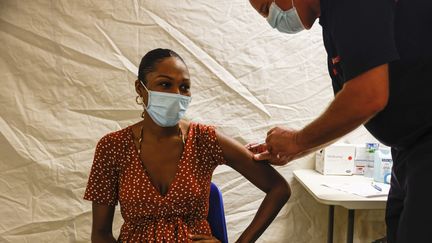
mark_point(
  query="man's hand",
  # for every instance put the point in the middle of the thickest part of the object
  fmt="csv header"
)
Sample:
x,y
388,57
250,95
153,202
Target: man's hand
x,y
281,145
256,147
203,238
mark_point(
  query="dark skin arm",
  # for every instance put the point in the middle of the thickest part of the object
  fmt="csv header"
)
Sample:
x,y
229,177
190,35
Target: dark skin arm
x,y
360,99
102,223
263,176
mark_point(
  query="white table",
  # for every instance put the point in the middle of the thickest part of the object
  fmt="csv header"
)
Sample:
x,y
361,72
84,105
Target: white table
x,y
312,181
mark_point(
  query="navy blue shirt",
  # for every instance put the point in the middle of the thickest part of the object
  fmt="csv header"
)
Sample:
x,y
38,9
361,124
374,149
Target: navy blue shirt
x,y
360,35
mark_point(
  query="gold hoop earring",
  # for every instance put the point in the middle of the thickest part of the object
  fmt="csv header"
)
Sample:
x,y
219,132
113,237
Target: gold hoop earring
x,y
139,100
143,114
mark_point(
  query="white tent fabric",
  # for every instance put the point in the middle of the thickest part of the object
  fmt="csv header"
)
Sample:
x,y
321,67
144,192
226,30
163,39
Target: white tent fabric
x,y
67,72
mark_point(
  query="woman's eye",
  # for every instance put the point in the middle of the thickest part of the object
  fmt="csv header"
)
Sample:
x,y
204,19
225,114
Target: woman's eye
x,y
185,87
165,84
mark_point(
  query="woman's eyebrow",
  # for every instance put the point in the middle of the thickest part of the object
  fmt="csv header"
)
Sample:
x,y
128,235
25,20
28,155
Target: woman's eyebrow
x,y
164,76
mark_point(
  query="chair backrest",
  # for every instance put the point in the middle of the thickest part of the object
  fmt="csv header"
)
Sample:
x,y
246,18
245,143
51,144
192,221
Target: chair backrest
x,y
216,215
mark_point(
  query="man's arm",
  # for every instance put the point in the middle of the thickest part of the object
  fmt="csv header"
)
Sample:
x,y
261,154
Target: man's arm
x,y
358,101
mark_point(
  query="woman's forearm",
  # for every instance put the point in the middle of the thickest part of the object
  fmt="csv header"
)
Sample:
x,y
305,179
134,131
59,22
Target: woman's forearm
x,y
269,208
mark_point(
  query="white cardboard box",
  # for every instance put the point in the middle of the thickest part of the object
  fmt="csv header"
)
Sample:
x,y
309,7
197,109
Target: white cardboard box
x,y
336,159
363,160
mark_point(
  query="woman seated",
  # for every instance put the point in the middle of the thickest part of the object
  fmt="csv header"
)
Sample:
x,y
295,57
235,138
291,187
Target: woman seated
x,y
160,168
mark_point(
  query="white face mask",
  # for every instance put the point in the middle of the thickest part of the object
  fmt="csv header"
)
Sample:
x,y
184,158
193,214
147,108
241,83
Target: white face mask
x,y
166,109
284,21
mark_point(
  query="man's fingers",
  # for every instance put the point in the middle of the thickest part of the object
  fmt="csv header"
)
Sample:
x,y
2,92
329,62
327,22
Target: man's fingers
x,y
274,160
262,156
250,145
271,130
280,160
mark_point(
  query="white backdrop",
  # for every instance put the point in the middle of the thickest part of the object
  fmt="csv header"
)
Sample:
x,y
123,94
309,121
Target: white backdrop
x,y
67,72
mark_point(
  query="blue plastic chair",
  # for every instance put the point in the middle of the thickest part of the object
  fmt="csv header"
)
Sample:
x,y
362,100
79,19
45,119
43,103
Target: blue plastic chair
x,y
216,215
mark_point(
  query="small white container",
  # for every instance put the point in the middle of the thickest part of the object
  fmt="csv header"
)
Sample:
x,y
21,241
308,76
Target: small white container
x,y
336,159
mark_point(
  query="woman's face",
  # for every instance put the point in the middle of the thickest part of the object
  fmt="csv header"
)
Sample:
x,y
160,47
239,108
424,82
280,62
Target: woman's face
x,y
170,75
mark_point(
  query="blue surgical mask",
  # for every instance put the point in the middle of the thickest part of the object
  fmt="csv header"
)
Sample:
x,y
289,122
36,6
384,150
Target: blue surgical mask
x,y
284,21
166,109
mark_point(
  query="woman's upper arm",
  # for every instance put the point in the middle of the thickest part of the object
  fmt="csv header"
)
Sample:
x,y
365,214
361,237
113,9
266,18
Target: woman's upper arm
x,y
260,173
103,216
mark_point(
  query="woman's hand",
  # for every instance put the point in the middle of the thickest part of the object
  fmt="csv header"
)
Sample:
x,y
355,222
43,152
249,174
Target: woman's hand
x,y
203,238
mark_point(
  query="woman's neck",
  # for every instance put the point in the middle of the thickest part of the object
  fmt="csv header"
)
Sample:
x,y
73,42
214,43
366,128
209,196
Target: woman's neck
x,y
151,129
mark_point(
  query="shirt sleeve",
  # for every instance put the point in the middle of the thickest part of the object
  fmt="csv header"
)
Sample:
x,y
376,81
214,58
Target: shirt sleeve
x,y
216,149
102,186
363,35
212,148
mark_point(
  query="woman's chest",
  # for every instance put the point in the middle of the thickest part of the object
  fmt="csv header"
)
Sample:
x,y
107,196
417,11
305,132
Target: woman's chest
x,y
189,183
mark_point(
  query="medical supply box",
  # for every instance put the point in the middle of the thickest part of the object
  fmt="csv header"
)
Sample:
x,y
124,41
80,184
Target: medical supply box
x,y
336,159
364,159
